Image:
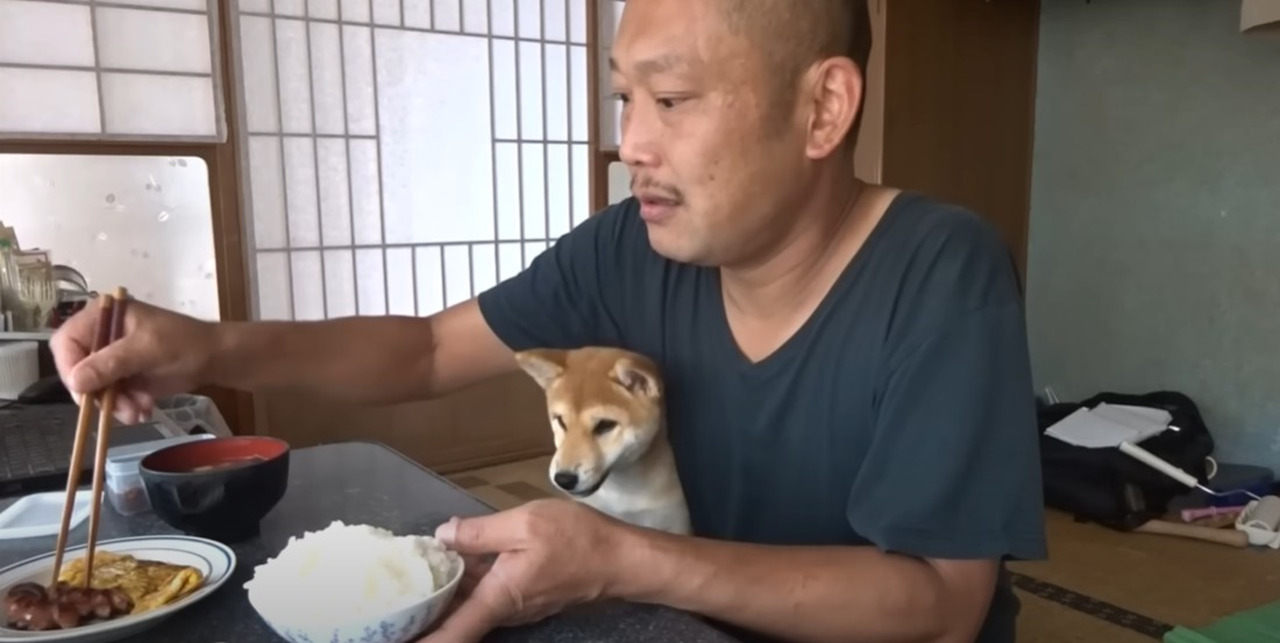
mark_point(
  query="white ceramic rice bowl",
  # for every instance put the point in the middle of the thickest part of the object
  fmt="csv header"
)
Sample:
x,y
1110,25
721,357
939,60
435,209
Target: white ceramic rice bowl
x,y
400,625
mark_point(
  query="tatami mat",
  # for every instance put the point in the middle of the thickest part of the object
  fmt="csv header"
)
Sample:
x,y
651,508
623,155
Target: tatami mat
x,y
1043,621
1175,580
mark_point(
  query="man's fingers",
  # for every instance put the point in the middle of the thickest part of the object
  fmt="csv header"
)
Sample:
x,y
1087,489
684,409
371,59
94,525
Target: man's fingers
x,y
66,345
472,618
492,534
116,362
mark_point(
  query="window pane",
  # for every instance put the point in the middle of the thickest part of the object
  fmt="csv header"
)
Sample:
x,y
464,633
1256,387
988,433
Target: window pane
x,y
530,70
141,222
371,282
555,20
159,105
262,111
475,17
308,285
557,93
457,274
48,101
295,76
429,268
267,191
445,15
436,161
300,192
153,40
188,5
45,33
386,12
340,282
504,17
326,70
275,296
335,193
400,286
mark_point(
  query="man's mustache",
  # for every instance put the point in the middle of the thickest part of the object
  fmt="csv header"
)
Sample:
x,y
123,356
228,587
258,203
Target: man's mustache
x,y
650,189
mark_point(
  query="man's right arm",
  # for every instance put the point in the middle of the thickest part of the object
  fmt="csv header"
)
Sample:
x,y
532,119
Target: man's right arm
x,y
372,360
363,360
566,298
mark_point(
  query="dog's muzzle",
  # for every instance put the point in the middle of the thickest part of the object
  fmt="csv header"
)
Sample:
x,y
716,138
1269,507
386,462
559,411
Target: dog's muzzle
x,y
569,482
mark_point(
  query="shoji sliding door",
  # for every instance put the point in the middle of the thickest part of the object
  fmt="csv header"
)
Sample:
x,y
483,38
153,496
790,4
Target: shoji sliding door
x,y
404,155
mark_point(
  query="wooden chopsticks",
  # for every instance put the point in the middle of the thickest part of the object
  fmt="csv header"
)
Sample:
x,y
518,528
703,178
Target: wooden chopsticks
x,y
108,328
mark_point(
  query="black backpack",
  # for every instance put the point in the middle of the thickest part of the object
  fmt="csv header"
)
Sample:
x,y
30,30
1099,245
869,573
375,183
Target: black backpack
x,y
1109,487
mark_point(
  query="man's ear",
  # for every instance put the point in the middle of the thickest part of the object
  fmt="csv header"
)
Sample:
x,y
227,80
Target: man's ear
x,y
544,365
637,378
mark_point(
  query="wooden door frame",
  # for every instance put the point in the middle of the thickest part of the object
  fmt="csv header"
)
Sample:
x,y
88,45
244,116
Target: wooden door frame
x,y
226,193
598,157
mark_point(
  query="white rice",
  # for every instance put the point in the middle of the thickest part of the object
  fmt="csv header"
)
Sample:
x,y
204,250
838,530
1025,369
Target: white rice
x,y
345,573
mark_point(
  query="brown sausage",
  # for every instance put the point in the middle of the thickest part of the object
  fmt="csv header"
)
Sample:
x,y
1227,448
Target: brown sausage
x,y
30,606
38,617
66,613
100,604
120,601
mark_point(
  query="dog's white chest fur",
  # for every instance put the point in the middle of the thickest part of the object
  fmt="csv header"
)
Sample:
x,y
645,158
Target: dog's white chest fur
x,y
645,502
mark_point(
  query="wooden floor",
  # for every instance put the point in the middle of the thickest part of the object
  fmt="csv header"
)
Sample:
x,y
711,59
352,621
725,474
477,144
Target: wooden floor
x,y
1099,585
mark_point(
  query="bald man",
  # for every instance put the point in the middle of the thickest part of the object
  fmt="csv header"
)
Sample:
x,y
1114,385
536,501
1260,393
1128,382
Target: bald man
x,y
850,398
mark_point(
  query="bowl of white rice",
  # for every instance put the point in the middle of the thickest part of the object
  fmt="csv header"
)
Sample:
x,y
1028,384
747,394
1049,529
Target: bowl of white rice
x,y
355,583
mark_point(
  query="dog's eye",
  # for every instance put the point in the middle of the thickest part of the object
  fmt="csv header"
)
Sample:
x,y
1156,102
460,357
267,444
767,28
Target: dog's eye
x,y
559,421
604,426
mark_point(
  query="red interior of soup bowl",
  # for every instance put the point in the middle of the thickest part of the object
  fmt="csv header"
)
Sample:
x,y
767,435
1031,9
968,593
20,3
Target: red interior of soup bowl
x,y
194,457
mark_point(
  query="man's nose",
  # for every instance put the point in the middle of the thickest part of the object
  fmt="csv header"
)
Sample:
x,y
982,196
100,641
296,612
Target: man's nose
x,y
638,147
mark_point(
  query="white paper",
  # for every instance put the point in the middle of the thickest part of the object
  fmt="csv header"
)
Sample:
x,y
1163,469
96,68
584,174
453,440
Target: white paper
x,y
1108,425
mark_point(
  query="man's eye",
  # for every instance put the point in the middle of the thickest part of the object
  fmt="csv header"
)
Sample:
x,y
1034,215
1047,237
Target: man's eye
x,y
621,97
669,103
560,422
604,426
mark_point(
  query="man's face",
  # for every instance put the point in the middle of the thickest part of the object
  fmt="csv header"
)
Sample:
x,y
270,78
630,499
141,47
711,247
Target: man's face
x,y
717,168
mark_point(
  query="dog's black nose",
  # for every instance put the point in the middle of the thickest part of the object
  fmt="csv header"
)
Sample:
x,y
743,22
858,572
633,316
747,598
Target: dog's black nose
x,y
566,480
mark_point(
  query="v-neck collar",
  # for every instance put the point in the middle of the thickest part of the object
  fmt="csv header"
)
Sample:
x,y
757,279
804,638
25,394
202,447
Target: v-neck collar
x,y
724,331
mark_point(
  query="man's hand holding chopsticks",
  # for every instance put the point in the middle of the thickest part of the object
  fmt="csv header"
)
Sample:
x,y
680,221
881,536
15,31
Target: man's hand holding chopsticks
x,y
161,353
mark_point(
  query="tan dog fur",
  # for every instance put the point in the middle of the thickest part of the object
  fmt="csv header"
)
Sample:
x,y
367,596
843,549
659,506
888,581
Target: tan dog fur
x,y
608,420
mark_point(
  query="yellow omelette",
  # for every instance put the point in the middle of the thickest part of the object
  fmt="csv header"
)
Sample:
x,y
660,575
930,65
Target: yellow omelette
x,y
150,584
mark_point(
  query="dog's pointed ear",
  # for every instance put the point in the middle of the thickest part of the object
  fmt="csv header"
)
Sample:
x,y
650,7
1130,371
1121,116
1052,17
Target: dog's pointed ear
x,y
639,379
544,365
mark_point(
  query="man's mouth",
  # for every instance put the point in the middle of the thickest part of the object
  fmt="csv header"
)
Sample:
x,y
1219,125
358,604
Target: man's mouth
x,y
583,493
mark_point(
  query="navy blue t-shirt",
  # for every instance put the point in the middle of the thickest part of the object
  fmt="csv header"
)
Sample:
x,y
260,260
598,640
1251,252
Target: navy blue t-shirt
x,y
901,415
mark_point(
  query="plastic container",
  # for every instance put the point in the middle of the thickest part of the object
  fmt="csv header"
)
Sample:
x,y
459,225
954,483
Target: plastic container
x,y
19,368
125,490
190,414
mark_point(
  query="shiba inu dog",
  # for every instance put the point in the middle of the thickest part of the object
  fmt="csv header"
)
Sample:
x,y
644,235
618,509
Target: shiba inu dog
x,y
609,424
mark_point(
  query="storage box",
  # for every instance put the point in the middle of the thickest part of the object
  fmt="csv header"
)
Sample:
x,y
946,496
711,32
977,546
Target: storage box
x,y
124,485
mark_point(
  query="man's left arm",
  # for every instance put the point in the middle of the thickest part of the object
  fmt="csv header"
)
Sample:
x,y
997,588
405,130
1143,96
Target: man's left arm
x,y
808,593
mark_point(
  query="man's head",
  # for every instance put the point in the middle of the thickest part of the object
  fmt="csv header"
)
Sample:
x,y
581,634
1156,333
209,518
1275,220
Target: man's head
x,y
735,110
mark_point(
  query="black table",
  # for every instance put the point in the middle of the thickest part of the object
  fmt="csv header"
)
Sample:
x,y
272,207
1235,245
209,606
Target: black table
x,y
362,483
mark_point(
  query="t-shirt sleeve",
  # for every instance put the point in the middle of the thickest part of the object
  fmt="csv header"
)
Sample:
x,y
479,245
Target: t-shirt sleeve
x,y
953,468
566,298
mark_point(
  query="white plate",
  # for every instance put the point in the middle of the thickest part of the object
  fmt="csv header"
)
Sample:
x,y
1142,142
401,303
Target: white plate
x,y
215,560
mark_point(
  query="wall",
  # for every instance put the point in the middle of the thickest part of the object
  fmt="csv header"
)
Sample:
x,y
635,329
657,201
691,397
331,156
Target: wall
x,y
144,223
1154,228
